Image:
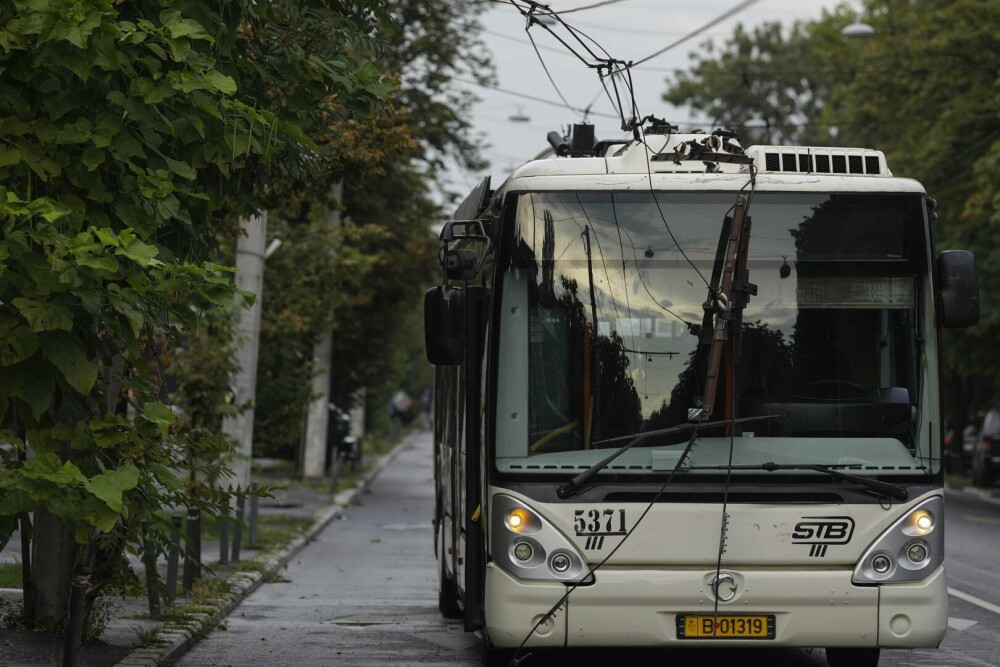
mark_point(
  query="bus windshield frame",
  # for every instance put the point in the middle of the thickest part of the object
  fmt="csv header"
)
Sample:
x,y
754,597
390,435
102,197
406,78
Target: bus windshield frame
x,y
600,304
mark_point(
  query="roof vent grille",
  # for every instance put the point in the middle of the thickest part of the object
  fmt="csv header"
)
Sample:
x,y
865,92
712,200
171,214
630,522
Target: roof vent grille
x,y
810,160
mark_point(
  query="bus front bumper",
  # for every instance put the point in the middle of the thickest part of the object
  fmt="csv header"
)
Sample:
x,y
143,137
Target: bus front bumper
x,y
639,607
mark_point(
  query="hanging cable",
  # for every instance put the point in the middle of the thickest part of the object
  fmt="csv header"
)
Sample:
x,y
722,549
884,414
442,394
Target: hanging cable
x,y
533,98
580,9
550,12
694,33
514,661
547,73
656,201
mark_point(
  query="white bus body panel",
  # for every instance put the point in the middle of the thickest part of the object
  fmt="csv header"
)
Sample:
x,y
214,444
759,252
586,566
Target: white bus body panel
x,y
666,566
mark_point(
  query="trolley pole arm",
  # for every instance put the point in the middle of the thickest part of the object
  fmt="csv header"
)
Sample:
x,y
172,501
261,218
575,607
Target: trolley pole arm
x,y
729,300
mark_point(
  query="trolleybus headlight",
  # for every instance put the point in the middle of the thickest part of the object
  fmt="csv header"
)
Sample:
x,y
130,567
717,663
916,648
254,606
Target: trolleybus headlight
x,y
923,522
911,549
530,547
881,563
917,552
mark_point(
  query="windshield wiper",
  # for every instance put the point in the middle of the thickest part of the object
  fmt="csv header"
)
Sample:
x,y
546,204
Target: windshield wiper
x,y
571,487
886,489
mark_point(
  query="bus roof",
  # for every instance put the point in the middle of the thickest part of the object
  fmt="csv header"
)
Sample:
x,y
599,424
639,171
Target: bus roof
x,y
632,165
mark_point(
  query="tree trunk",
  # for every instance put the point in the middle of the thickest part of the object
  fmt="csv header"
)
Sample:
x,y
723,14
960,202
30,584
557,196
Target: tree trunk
x,y
53,553
318,413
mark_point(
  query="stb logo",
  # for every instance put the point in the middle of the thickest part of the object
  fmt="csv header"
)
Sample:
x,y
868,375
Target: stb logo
x,y
821,531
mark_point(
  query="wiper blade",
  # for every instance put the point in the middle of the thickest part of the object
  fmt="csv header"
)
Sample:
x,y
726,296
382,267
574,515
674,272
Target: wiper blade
x,y
571,487
886,489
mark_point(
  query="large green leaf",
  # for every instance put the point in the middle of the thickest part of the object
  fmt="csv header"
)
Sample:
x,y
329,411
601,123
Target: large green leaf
x,y
8,524
188,28
50,468
141,253
221,82
15,501
97,513
44,315
109,486
67,353
17,343
31,381
166,477
50,440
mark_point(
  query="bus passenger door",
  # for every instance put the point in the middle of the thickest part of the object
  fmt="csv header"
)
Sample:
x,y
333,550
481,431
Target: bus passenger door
x,y
446,430
471,490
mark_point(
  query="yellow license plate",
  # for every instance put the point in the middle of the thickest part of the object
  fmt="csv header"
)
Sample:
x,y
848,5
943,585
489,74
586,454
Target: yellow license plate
x,y
700,626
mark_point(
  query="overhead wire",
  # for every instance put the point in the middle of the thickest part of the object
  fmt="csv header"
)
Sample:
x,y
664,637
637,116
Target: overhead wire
x,y
694,33
636,125
533,98
547,73
550,12
614,67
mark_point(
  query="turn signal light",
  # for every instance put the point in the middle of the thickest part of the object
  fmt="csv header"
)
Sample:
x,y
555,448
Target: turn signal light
x,y
517,519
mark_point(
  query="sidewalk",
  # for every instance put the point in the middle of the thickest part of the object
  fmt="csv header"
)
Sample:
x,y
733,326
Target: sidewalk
x,y
282,520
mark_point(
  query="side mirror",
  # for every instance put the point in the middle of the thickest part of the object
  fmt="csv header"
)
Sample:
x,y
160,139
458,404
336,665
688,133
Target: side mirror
x,y
958,288
444,320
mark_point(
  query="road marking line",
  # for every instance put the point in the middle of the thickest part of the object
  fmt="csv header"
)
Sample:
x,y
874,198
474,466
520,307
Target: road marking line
x,y
960,623
993,521
972,599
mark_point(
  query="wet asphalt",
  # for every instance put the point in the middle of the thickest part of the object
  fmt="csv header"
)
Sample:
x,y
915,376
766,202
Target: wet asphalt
x,y
365,593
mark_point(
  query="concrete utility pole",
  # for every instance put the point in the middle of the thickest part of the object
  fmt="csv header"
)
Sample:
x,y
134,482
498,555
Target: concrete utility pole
x,y
318,417
249,277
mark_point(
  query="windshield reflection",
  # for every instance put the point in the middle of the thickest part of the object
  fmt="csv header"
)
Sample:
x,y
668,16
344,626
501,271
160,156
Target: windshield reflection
x,y
601,312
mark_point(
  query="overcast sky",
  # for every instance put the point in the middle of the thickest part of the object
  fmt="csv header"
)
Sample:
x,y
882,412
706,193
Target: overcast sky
x,y
628,30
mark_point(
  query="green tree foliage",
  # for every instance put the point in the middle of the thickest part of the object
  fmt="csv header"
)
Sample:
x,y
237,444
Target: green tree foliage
x,y
390,218
925,88
772,75
130,135
365,280
430,43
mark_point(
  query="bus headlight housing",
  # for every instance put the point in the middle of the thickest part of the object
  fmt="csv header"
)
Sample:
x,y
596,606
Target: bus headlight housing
x,y
909,550
529,547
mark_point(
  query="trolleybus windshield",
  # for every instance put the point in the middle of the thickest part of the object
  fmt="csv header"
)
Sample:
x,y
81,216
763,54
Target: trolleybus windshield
x,y
601,304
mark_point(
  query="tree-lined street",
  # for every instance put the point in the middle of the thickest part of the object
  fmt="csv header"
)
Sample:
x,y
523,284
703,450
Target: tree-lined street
x,y
365,593
219,221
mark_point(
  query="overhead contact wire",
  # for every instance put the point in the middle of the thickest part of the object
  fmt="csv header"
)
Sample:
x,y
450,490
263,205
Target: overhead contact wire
x,y
691,35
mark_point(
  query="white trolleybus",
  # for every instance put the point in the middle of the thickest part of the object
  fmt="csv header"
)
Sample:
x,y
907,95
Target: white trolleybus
x,y
687,395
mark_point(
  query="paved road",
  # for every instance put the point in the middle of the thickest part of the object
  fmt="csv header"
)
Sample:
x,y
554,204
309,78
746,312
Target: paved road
x,y
365,593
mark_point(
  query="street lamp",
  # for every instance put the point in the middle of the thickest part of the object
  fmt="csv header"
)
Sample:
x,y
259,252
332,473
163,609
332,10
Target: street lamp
x,y
857,29
519,117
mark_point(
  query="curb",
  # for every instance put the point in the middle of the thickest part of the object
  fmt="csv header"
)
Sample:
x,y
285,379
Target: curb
x,y
984,495
177,637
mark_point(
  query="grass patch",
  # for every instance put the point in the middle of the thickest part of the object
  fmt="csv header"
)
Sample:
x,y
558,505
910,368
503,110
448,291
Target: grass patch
x,y
145,637
276,530
10,575
251,565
